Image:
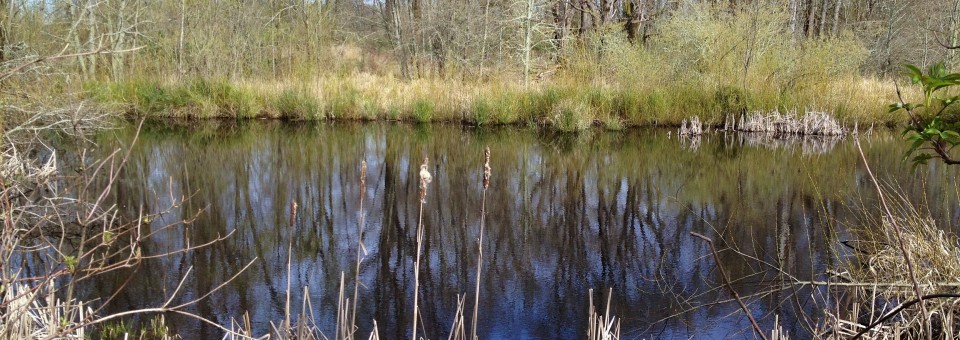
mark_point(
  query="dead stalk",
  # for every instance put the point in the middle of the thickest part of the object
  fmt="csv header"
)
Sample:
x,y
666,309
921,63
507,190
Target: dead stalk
x,y
900,243
726,283
360,248
425,179
483,214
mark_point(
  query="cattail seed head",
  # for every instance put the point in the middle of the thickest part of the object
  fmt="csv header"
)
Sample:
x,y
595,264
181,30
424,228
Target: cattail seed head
x,y
363,173
293,211
425,178
486,167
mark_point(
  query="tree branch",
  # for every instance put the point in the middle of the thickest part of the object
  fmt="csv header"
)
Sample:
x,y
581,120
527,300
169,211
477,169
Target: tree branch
x,y
61,55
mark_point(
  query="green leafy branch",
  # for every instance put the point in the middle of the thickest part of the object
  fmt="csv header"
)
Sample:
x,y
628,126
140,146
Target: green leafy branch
x,y
929,127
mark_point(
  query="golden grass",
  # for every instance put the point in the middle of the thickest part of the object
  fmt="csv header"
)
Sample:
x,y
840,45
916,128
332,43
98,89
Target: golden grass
x,y
560,103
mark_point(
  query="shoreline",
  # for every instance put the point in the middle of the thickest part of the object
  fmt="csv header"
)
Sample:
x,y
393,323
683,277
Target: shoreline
x,y
553,105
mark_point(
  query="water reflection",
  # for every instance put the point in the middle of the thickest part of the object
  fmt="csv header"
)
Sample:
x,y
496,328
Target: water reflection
x,y
566,214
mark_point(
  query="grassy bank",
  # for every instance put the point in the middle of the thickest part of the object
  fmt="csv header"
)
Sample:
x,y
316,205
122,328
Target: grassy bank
x,y
563,104
705,61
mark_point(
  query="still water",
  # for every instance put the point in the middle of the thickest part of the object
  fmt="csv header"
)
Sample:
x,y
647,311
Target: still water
x,y
612,211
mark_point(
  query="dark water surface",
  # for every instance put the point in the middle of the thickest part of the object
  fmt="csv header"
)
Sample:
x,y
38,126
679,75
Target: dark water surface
x,y
565,214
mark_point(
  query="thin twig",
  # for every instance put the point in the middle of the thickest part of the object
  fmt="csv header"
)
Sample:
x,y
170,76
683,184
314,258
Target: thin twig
x,y
726,283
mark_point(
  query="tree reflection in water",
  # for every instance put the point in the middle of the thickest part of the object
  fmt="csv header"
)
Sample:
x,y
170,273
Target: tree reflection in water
x,y
566,213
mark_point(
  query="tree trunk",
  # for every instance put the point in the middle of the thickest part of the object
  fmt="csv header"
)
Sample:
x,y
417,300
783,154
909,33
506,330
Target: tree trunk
x,y
183,25
483,41
794,17
606,11
587,10
635,17
119,40
4,22
559,12
836,17
527,43
91,38
77,13
823,17
955,30
393,23
811,18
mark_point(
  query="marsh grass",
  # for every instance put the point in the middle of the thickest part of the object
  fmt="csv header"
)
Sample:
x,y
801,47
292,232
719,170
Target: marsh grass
x,y
881,283
294,104
565,104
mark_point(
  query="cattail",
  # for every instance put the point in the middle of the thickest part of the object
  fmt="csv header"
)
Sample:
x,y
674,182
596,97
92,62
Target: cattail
x,y
486,167
293,211
483,213
363,174
425,178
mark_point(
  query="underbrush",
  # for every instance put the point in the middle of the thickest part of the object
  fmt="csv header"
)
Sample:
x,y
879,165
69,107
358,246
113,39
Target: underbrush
x,y
895,259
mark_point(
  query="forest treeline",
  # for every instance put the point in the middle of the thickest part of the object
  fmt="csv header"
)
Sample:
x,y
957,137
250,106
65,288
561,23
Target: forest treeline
x,y
627,61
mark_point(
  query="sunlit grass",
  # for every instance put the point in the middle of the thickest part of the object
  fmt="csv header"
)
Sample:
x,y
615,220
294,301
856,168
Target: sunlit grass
x,y
558,104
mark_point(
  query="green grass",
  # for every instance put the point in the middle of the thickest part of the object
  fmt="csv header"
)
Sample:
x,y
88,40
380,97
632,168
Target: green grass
x,y
559,104
298,105
423,111
482,112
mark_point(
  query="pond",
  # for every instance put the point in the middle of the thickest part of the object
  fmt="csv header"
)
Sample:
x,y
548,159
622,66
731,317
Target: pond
x,y
608,211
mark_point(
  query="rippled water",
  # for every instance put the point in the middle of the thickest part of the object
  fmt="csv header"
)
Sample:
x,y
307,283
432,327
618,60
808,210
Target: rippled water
x,y
608,211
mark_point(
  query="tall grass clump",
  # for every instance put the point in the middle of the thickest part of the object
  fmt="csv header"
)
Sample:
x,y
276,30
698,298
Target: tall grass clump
x,y
423,111
712,60
482,112
343,101
571,115
222,98
196,98
148,96
294,104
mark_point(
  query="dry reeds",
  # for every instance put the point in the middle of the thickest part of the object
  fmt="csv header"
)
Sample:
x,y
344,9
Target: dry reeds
x,y
305,326
812,123
888,300
602,326
693,127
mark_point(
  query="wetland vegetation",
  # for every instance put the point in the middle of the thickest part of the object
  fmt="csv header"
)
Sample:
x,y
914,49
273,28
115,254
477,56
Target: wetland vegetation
x,y
479,169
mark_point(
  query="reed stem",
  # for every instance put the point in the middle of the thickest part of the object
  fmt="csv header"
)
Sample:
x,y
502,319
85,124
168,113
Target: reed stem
x,y
483,214
360,248
425,179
